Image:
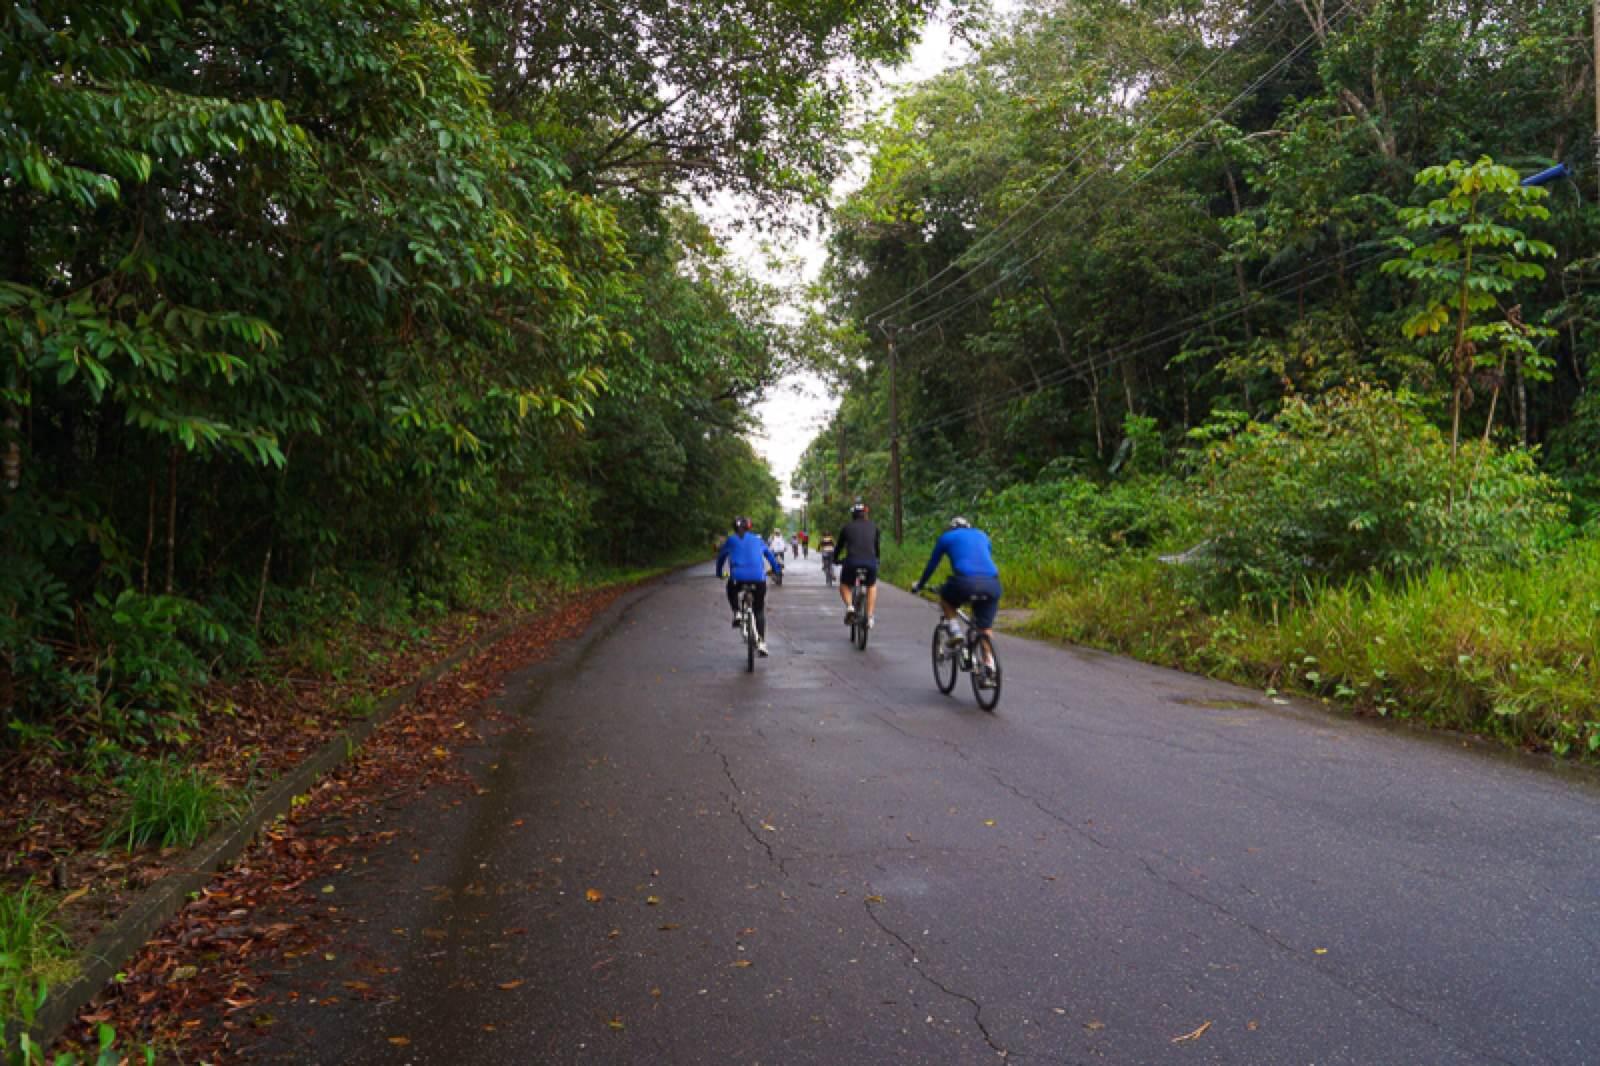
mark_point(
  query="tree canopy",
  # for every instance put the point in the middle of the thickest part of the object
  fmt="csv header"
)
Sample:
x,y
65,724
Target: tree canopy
x,y
300,290
1160,210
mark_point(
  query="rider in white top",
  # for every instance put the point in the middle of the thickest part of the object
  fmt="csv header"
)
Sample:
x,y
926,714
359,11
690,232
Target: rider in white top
x,y
776,545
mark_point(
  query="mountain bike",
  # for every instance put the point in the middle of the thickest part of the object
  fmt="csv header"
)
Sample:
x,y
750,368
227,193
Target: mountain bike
x,y
827,568
747,624
858,612
972,652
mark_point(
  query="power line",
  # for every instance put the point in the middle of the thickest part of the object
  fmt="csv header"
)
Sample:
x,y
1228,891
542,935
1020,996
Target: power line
x,y
921,325
1061,173
1150,341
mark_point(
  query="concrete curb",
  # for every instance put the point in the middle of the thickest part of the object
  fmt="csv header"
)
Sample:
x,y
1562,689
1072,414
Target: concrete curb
x,y
106,954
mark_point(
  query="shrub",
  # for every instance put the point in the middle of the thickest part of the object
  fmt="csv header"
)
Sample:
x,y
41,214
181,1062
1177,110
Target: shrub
x,y
150,661
1358,482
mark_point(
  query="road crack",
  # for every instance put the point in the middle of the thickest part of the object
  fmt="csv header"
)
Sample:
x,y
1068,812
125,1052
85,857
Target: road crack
x,y
738,811
913,964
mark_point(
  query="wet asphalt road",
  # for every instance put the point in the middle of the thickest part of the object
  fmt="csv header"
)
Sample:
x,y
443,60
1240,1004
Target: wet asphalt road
x,y
828,862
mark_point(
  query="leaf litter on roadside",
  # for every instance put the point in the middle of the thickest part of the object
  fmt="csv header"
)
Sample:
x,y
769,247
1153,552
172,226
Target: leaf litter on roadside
x,y
268,909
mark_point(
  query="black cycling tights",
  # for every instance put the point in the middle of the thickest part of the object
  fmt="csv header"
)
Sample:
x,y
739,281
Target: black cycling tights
x,y
759,590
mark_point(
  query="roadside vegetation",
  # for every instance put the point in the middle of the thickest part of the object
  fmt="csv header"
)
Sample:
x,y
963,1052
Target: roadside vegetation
x,y
1255,356
333,330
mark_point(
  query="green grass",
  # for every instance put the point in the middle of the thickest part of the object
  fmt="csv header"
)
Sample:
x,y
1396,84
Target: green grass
x,y
1512,653
33,952
169,805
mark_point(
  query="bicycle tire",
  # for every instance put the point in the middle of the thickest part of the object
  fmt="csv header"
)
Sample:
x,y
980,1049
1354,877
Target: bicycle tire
x,y
749,646
982,651
944,661
860,628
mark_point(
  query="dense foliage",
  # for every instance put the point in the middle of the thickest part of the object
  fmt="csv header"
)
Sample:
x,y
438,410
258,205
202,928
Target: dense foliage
x,y
1235,325
1167,210
315,295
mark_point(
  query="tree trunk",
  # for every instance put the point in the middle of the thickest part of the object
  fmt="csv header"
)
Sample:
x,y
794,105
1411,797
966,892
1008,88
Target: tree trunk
x,y
13,459
1519,406
261,590
149,537
172,516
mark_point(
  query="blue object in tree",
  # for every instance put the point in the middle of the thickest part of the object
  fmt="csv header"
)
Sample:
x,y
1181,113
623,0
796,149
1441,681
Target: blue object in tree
x,y
1545,177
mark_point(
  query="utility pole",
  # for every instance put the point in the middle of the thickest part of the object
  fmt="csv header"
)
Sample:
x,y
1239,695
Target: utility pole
x,y
894,431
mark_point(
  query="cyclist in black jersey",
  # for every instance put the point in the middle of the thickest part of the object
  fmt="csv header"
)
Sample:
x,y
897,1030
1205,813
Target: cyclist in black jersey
x,y
856,550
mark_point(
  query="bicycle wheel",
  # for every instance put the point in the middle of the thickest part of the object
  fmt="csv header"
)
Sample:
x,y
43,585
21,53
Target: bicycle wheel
x,y
945,666
749,645
860,632
985,682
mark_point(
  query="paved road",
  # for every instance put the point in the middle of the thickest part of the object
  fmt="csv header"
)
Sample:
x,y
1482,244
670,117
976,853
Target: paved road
x,y
828,862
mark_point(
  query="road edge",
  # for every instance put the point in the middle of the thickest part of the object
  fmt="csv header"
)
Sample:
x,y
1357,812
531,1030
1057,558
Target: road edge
x,y
100,960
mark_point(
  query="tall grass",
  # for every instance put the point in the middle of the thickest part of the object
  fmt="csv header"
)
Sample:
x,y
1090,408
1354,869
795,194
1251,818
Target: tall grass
x,y
1511,652
169,805
33,951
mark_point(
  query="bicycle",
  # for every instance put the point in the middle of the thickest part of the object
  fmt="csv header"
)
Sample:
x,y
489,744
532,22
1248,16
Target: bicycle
x,y
973,653
858,613
747,623
827,569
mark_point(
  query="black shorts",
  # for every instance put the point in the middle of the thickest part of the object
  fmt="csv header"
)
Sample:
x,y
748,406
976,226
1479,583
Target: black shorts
x,y
982,592
849,570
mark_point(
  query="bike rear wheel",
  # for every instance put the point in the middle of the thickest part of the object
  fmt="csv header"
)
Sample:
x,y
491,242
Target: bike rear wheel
x,y
749,645
859,631
945,664
985,680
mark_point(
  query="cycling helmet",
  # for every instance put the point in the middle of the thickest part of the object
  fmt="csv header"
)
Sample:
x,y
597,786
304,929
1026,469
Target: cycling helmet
x,y
741,524
857,509
959,522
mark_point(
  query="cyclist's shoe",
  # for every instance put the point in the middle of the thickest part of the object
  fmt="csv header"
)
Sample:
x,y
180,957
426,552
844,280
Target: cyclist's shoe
x,y
761,649
736,621
952,633
849,616
872,621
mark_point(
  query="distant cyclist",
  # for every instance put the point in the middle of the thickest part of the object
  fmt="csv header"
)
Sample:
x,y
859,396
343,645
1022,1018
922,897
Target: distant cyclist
x,y
856,551
776,545
825,549
746,557
973,574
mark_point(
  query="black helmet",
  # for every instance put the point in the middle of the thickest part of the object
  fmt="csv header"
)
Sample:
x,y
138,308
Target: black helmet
x,y
959,522
741,524
858,509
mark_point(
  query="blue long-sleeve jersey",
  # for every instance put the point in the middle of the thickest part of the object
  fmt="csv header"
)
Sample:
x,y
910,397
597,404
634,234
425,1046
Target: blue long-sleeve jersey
x,y
746,557
968,551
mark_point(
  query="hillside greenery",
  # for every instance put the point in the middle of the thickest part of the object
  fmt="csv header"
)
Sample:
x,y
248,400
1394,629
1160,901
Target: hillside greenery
x,y
1236,326
321,310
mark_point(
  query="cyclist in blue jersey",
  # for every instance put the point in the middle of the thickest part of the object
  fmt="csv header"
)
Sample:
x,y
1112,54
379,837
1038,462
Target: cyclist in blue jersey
x,y
747,556
972,574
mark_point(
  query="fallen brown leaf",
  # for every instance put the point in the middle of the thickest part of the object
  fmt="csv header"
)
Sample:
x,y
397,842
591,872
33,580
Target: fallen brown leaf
x,y
1196,1035
506,986
594,895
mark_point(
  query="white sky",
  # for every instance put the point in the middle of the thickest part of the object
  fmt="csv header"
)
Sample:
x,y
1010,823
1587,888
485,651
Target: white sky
x,y
799,406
